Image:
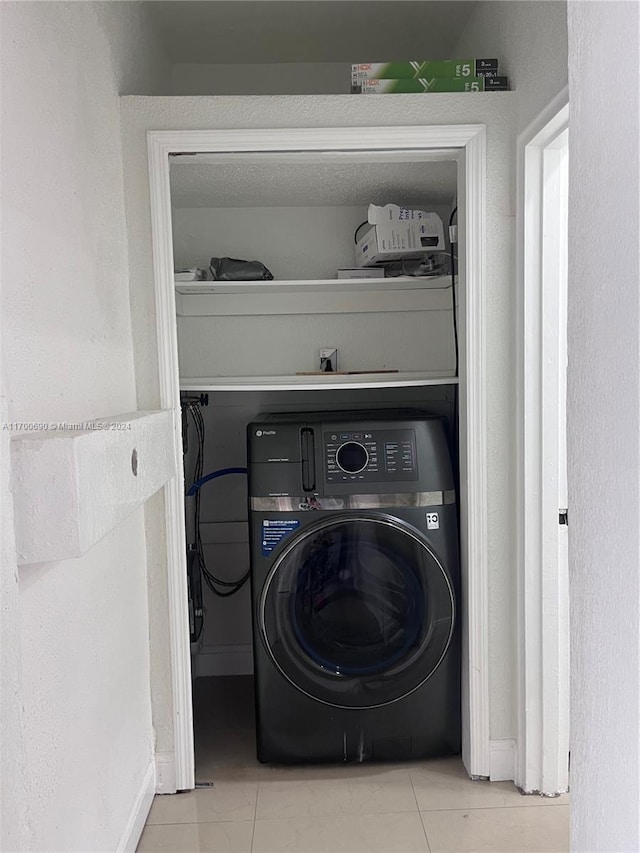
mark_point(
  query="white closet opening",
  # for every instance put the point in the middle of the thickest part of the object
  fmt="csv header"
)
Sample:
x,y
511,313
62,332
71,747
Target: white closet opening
x,y
251,347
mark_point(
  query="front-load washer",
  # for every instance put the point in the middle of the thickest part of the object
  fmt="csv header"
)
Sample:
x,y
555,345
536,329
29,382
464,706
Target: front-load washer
x,y
355,582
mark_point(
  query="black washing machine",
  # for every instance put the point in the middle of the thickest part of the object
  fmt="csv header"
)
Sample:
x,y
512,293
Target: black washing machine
x,y
355,578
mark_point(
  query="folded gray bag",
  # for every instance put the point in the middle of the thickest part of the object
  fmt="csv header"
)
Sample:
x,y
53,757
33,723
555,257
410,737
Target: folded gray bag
x,y
233,269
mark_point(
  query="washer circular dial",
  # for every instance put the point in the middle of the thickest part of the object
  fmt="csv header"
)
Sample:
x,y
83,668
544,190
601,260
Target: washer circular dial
x,y
352,457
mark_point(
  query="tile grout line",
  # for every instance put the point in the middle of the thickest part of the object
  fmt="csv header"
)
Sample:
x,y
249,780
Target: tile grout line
x,y
415,797
493,807
255,813
357,814
196,822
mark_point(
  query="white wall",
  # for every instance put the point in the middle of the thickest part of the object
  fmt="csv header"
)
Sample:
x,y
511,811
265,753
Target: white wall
x,y
76,732
281,345
293,242
87,705
498,111
137,54
14,791
529,37
603,405
274,78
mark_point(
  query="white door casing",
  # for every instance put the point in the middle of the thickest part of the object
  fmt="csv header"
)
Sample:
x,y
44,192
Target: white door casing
x,y
467,144
542,580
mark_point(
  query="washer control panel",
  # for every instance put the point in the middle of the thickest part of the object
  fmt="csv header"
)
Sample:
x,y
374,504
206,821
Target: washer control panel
x,y
365,456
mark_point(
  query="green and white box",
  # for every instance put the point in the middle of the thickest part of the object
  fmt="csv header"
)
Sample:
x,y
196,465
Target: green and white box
x,y
424,68
434,84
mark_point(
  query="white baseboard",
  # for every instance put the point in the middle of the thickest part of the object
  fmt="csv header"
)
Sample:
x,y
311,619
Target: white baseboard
x,y
139,812
224,660
166,773
502,760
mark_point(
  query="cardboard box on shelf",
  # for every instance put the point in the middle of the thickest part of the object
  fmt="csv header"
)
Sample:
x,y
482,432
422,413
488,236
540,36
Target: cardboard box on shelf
x,y
428,68
433,84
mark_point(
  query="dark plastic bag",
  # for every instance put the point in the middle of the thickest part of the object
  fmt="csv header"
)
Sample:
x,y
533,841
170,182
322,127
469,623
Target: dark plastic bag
x,y
233,269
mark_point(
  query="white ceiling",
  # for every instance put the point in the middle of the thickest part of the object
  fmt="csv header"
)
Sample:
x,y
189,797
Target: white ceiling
x,y
274,184
263,31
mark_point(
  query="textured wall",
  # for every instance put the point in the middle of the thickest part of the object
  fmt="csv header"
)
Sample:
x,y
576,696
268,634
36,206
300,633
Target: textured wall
x,y
76,729
497,111
603,405
529,37
85,671
275,78
14,790
318,239
137,56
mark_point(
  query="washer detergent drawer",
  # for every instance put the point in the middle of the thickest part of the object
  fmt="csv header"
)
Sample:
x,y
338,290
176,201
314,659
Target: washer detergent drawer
x,y
276,479
278,460
274,443
357,611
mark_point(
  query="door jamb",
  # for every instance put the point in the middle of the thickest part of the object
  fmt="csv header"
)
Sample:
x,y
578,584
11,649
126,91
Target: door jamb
x,y
542,652
467,144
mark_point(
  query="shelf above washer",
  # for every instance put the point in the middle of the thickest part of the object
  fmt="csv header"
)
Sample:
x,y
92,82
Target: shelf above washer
x,y
320,285
317,296
310,383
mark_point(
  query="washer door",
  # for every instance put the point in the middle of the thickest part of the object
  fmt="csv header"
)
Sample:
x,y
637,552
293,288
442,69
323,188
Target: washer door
x,y
357,611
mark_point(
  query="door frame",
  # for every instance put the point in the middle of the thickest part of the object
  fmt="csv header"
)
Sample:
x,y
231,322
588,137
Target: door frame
x,y
542,590
467,145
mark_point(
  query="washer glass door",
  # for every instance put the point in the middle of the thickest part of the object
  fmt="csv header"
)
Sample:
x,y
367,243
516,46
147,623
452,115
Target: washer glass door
x,y
357,611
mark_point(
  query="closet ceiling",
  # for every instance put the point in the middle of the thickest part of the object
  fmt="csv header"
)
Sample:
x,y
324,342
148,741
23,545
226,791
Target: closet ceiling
x,y
262,31
311,184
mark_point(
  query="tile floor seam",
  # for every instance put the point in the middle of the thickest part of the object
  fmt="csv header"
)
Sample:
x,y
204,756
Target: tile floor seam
x,y
197,822
255,814
424,828
483,808
426,834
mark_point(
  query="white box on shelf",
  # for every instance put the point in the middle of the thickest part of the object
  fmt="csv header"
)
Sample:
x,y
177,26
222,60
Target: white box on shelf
x,y
397,232
360,272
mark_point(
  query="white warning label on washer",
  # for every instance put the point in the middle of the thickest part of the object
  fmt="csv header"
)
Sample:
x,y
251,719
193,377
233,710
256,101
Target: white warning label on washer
x,y
433,521
274,531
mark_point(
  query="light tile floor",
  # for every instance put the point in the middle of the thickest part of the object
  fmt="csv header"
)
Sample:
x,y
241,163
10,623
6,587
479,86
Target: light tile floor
x,y
428,806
